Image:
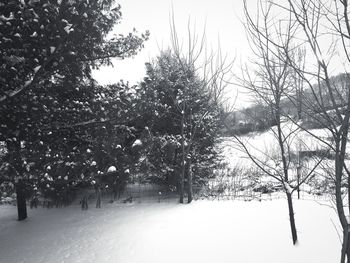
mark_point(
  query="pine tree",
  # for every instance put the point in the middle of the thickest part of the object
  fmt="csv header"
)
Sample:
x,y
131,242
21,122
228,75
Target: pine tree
x,y
177,109
47,92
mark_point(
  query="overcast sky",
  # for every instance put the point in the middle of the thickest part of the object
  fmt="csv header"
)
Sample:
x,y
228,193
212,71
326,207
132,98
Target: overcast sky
x,y
222,19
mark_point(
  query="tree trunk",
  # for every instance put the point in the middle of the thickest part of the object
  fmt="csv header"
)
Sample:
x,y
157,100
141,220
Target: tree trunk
x,y
298,179
182,175
14,149
345,250
286,179
291,218
349,193
339,162
21,200
98,195
348,248
190,187
299,102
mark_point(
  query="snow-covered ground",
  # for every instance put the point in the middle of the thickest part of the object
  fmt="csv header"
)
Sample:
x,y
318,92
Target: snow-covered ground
x,y
264,145
204,231
166,232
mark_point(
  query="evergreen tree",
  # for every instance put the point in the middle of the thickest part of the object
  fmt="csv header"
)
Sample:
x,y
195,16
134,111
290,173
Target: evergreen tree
x,y
47,92
176,107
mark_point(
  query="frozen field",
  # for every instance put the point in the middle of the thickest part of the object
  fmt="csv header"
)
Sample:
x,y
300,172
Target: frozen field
x,y
204,231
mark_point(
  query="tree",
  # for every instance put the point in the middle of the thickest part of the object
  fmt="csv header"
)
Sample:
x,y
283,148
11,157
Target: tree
x,y
178,112
111,142
325,30
48,51
271,82
297,101
214,72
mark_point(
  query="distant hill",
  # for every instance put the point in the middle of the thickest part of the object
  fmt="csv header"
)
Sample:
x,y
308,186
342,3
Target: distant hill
x,y
259,117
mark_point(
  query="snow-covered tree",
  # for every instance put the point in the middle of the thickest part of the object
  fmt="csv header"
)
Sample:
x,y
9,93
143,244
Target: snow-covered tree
x,y
177,109
47,92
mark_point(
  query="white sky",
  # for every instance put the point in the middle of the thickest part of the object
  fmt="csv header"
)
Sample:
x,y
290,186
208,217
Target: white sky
x,y
222,19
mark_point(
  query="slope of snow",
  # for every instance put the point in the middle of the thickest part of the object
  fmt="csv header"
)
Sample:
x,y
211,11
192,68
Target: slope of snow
x,y
264,145
204,231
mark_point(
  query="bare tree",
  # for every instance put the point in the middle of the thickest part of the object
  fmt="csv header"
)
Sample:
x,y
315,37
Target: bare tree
x,y
214,71
328,20
270,82
299,92
323,28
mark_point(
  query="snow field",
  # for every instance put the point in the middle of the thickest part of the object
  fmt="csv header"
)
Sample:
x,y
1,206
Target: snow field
x,y
204,231
265,145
